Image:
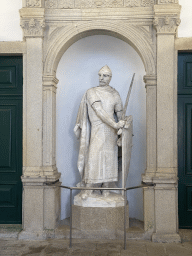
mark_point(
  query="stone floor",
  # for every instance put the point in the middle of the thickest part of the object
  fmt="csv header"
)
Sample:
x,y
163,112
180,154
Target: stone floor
x,y
136,244
60,247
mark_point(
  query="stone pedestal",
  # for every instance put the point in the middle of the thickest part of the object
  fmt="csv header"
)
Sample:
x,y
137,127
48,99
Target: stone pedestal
x,y
101,214
41,208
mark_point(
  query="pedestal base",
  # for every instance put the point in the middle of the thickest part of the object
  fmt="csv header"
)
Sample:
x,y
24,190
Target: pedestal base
x,y
99,218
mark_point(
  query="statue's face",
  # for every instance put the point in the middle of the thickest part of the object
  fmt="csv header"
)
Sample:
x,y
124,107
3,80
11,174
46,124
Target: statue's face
x,y
104,79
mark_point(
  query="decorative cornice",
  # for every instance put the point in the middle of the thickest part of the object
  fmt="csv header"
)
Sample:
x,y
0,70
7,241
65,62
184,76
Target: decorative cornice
x,y
83,4
168,1
33,3
33,27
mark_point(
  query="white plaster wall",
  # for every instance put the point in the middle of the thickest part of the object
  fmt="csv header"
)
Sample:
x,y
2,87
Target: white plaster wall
x,y
185,28
10,29
78,71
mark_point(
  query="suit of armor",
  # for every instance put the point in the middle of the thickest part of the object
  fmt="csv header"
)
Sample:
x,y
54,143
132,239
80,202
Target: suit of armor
x,y
101,165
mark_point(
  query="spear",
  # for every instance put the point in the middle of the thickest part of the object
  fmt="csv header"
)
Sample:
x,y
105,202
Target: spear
x,y
126,102
127,99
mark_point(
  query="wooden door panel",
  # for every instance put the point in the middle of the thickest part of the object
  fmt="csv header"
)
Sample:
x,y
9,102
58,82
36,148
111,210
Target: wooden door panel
x,y
5,138
10,140
11,79
185,139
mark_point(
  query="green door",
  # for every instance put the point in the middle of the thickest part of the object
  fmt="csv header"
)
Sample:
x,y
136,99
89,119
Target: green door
x,y
11,91
185,139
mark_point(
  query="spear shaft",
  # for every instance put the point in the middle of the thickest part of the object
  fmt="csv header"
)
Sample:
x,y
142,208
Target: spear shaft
x,y
127,99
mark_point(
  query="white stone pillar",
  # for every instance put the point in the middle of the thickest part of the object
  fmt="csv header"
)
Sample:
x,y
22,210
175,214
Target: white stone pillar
x,y
41,204
151,123
49,127
165,198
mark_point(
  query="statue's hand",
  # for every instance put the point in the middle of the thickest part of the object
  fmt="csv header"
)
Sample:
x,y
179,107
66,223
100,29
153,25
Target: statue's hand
x,y
120,124
77,131
119,142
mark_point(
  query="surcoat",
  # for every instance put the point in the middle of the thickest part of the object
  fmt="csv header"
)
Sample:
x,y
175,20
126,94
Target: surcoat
x,y
98,159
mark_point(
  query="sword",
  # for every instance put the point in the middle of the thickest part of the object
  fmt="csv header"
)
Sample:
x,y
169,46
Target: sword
x,y
126,103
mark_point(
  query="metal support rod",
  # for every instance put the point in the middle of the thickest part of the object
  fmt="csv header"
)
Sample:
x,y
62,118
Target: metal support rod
x,y
145,185
85,188
125,215
70,245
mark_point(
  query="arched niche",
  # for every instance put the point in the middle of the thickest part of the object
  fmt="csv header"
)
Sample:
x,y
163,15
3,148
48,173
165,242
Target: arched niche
x,y
62,38
77,72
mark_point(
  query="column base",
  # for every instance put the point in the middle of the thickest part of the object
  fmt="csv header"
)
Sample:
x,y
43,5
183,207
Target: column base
x,y
166,238
41,207
27,235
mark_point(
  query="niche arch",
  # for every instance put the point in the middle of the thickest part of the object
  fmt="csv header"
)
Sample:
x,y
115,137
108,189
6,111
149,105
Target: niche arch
x,y
60,39
64,37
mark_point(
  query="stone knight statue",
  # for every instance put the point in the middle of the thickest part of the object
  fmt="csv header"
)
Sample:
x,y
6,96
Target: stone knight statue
x,y
97,129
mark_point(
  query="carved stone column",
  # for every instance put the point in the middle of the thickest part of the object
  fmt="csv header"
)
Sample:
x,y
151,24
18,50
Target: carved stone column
x,y
49,127
151,123
151,110
41,204
166,20
32,22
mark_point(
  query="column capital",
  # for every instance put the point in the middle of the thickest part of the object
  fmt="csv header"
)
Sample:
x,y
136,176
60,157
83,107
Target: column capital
x,y
150,80
32,21
166,18
49,81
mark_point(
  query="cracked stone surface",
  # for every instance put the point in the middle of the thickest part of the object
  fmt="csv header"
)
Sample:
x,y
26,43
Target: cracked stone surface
x,y
60,247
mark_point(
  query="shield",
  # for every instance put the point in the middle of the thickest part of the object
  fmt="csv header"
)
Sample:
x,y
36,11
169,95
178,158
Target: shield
x,y
127,135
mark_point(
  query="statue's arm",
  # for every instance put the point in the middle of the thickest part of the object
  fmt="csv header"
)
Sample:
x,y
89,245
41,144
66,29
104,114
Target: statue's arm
x,y
103,115
119,114
118,107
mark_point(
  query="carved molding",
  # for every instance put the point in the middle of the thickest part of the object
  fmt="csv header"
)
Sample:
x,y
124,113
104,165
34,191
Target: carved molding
x,y
139,3
33,27
58,44
33,3
50,82
80,4
150,80
168,1
166,25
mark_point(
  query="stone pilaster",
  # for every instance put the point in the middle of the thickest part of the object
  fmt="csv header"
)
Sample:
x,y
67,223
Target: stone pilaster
x,y
32,22
41,204
166,211
151,123
49,126
166,21
41,208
